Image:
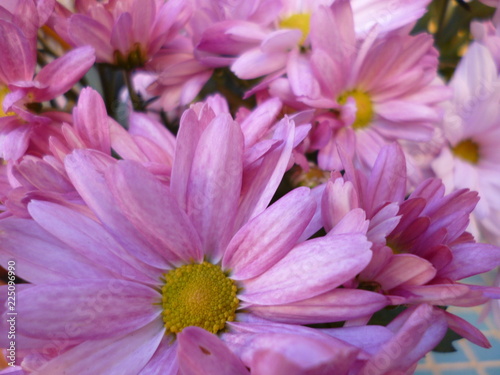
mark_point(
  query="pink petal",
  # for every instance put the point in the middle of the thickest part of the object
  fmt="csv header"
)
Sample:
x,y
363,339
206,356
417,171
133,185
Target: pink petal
x,y
405,269
466,330
91,120
125,355
121,35
164,361
257,124
417,331
471,259
41,257
87,310
255,63
334,306
387,181
261,180
284,353
62,73
339,198
311,268
88,239
201,352
264,240
86,170
189,134
84,31
149,206
215,183
18,58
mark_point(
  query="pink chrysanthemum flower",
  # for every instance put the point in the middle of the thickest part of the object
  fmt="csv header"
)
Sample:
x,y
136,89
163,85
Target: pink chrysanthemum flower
x,y
125,33
22,92
420,247
471,156
159,261
266,38
372,92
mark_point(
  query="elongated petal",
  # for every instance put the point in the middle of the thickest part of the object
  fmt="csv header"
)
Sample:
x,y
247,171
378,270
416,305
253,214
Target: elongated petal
x,y
125,355
471,259
40,257
264,240
284,353
91,120
121,35
84,30
61,74
201,352
405,269
153,211
18,58
88,239
337,305
86,310
417,331
311,268
466,330
262,179
164,361
215,184
86,170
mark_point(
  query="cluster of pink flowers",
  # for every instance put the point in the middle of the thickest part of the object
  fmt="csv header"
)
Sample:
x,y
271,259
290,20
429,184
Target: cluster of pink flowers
x,y
162,229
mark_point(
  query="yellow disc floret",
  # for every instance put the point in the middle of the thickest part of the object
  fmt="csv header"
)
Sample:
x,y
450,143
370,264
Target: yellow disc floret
x,y
467,150
3,92
198,295
364,114
301,21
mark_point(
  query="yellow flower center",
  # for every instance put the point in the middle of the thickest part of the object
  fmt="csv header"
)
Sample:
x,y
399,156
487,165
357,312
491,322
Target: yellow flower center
x,y
467,150
301,21
198,295
364,105
3,92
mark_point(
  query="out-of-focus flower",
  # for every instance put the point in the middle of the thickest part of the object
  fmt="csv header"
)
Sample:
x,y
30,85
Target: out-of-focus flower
x,y
123,33
22,93
372,92
471,156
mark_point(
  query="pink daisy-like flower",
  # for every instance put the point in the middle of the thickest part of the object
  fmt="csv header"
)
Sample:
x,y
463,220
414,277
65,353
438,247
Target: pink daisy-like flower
x,y
420,247
369,92
142,263
125,33
22,92
470,157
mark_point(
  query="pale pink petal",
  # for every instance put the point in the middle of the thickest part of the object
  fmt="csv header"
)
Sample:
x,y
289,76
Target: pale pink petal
x,y
416,332
261,180
255,63
339,198
466,330
311,268
85,31
258,122
61,74
215,181
471,259
125,355
334,306
201,352
121,35
18,58
265,239
91,120
164,361
86,170
41,257
405,269
88,239
87,310
285,353
190,131
149,206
